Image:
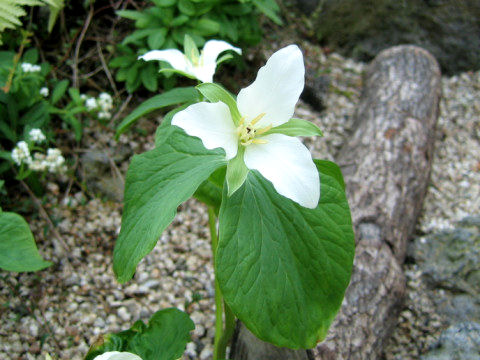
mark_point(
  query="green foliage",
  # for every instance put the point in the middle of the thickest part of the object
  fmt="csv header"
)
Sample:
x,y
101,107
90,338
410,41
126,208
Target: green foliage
x,y
23,107
18,251
282,268
164,338
296,127
165,24
157,182
12,10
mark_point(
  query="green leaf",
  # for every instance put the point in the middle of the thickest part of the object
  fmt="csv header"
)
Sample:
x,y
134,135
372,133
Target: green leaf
x,y
30,56
210,191
207,27
138,35
164,338
149,77
156,40
270,9
282,268
58,91
168,98
186,7
296,127
18,251
157,182
216,93
331,169
237,171
130,14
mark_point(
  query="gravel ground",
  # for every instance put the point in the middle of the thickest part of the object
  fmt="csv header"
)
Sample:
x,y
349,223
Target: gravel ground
x,y
65,307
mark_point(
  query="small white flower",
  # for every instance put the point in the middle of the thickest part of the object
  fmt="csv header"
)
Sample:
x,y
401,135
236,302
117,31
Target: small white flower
x,y
27,67
201,68
36,135
91,104
104,115
83,97
267,103
44,91
21,153
116,355
105,102
54,160
38,163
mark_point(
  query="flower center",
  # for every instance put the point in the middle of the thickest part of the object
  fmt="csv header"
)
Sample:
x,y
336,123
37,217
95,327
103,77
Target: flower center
x,y
247,132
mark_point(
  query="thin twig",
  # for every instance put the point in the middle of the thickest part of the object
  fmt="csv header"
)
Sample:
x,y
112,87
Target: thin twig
x,y
44,215
79,44
107,71
122,108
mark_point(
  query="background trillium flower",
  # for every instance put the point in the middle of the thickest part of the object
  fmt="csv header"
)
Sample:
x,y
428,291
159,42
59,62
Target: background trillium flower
x,y
201,67
267,103
116,355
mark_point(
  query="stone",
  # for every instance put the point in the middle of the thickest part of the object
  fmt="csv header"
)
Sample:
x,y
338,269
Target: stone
x,y
316,89
449,29
458,342
450,259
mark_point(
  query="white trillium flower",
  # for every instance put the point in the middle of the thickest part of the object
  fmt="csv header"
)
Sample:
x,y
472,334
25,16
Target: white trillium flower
x,y
267,103
116,355
201,67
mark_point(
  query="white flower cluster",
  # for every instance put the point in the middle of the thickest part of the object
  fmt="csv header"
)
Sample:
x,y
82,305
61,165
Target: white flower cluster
x,y
53,161
27,67
103,104
36,135
21,153
44,91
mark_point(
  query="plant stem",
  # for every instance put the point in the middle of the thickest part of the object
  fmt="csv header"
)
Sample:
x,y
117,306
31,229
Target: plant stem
x,y
220,346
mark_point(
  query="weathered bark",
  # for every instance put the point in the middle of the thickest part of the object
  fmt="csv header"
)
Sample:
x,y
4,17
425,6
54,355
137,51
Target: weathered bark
x,y
386,164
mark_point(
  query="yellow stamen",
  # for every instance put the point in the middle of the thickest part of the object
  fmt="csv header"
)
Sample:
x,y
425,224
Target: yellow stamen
x,y
259,141
257,119
263,130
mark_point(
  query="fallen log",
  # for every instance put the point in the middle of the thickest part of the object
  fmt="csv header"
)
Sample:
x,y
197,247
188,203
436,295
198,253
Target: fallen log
x,y
386,165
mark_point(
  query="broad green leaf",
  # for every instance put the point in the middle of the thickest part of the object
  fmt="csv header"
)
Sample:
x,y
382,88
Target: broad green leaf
x,y
331,169
207,27
164,338
215,93
296,127
18,251
168,98
282,268
138,34
157,182
237,171
58,91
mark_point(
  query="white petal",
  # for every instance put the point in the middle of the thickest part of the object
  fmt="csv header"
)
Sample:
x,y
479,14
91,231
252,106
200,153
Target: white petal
x,y
173,56
212,123
288,164
276,89
204,73
208,59
213,48
116,355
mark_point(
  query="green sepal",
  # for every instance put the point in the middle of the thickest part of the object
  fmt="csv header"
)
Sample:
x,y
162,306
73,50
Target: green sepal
x,y
190,49
237,172
296,127
216,93
176,71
